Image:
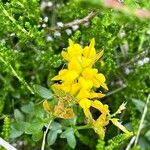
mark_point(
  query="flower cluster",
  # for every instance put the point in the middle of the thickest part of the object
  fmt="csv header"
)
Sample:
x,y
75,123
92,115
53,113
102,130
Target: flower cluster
x,y
80,79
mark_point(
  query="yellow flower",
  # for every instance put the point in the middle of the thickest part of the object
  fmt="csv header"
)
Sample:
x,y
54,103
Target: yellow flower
x,y
74,50
66,75
90,52
75,87
102,121
86,104
85,84
89,73
96,95
83,93
80,79
102,108
97,79
75,64
100,124
64,86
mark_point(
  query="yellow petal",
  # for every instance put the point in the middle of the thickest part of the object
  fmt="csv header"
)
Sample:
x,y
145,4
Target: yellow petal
x,y
90,52
83,94
99,81
119,125
99,130
67,75
103,120
60,75
75,88
102,108
47,107
71,75
98,56
87,62
92,43
89,73
66,87
75,65
74,50
85,84
65,55
85,103
104,86
96,95
100,77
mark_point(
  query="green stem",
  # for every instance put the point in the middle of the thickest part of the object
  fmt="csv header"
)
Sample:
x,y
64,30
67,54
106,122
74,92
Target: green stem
x,y
45,133
17,76
12,20
83,127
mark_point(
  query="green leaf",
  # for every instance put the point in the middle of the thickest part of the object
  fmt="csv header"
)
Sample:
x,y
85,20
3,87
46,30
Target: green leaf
x,y
18,115
37,136
21,125
52,136
144,145
39,110
34,127
43,92
28,108
55,129
14,133
147,135
69,135
138,104
55,126
18,129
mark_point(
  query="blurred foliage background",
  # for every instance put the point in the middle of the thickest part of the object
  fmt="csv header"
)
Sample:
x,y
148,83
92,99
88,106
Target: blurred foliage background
x,y
32,36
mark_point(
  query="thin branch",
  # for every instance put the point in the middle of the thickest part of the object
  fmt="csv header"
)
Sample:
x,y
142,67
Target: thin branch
x,y
130,143
137,57
116,90
75,22
45,133
17,76
142,120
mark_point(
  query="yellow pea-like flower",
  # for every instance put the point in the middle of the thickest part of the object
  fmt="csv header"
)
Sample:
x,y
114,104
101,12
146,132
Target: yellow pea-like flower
x,y
80,79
